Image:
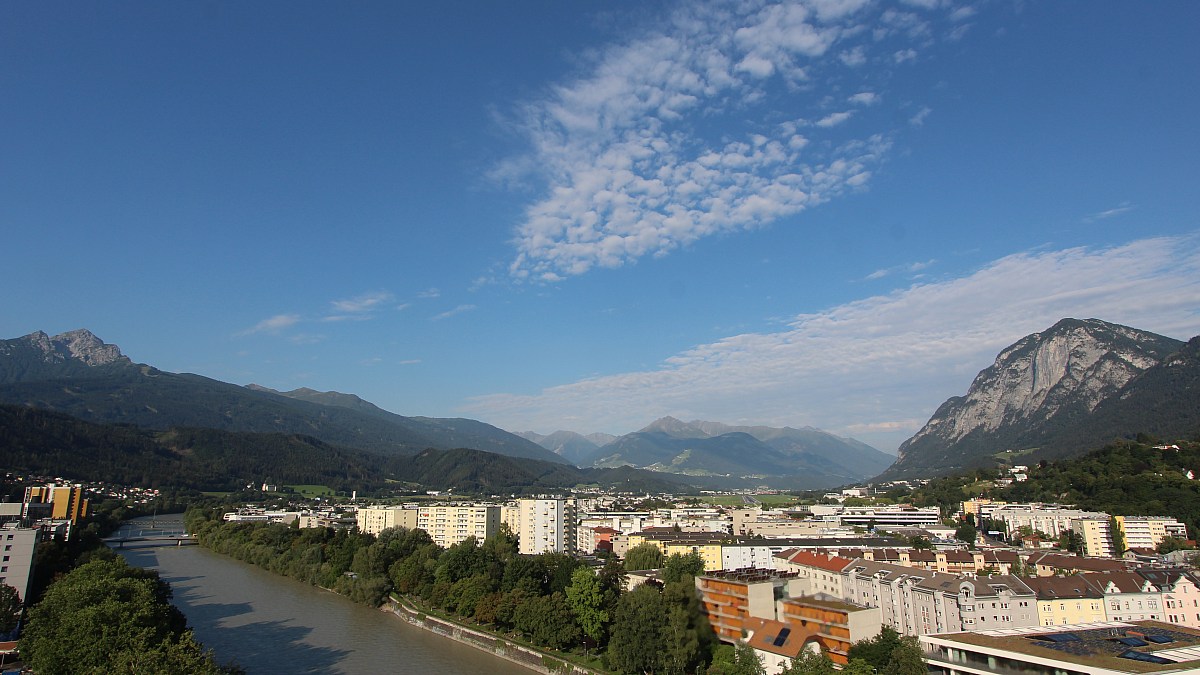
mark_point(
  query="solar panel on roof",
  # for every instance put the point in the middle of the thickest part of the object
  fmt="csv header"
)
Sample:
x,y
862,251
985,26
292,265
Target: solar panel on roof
x,y
1142,656
1059,637
1159,639
1133,642
782,637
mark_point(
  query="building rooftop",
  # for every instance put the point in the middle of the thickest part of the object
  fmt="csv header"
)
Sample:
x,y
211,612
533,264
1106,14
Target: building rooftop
x,y
1115,646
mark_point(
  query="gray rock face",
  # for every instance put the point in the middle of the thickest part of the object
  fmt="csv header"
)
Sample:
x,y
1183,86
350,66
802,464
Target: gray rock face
x,y
39,356
82,346
1067,370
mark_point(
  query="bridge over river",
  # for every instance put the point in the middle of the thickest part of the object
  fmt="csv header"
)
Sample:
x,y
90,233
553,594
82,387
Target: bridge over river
x,y
146,533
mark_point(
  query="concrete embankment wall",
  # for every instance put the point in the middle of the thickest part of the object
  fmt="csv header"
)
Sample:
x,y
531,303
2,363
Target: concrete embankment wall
x,y
498,646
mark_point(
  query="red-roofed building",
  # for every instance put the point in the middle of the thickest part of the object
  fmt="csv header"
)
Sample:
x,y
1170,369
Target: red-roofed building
x,y
821,572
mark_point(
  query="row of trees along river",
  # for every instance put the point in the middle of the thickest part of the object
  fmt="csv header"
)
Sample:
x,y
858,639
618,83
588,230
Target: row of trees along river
x,y
100,614
551,601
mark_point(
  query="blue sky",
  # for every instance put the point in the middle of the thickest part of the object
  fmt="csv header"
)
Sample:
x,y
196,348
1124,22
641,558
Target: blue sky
x,y
588,215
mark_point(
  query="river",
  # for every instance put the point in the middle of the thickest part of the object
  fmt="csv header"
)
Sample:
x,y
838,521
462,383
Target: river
x,y
268,624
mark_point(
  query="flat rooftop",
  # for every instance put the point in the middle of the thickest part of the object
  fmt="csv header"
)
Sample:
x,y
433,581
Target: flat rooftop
x,y
1098,645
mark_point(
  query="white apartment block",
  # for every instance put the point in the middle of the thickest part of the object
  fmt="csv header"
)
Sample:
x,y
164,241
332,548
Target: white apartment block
x,y
18,545
450,525
919,602
890,516
1049,519
376,519
546,525
1149,531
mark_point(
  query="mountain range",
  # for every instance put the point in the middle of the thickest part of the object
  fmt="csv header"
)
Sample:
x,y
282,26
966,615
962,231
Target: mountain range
x,y
1060,393
798,458
78,374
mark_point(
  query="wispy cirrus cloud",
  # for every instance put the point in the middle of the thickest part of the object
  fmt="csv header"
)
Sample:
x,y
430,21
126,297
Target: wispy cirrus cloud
x,y
453,312
878,367
1123,207
626,153
359,308
909,268
272,325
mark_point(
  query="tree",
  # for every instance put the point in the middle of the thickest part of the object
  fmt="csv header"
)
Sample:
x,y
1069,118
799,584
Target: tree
x,y
920,543
686,632
1070,540
677,566
876,651
586,598
1117,535
966,532
106,616
644,556
737,660
636,642
1171,544
906,659
547,620
10,608
810,663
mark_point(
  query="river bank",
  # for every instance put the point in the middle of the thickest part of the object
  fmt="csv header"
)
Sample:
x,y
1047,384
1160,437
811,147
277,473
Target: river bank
x,y
487,642
269,624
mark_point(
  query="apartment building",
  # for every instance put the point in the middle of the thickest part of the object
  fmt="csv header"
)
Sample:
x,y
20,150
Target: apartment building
x,y
56,502
450,525
1180,595
546,525
821,572
1148,531
1128,596
1067,600
1052,520
376,519
837,625
734,599
1107,648
1096,534
18,548
919,602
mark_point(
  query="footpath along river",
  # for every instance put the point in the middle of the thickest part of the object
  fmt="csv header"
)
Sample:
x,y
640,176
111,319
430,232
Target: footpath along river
x,y
270,624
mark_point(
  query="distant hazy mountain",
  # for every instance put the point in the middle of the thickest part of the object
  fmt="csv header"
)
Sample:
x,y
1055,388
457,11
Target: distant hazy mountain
x,y
1043,392
600,438
78,374
792,457
50,443
566,444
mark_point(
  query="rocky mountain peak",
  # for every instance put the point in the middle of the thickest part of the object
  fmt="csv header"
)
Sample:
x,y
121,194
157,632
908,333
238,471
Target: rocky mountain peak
x,y
1068,369
77,345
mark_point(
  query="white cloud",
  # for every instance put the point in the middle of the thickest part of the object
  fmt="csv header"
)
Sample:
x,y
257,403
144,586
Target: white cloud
x,y
864,98
854,57
882,360
1124,207
834,119
628,155
910,268
363,303
273,325
963,13
919,118
453,312
904,55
